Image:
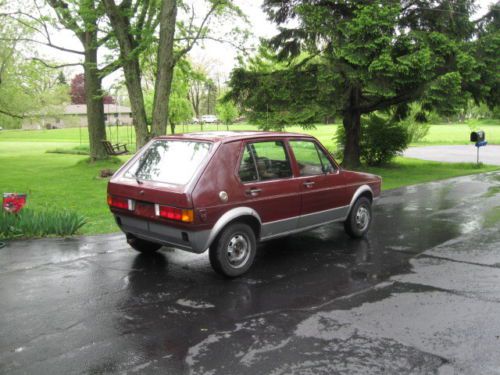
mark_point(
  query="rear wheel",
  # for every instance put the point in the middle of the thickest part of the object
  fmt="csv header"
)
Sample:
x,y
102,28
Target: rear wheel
x,y
141,245
359,219
233,252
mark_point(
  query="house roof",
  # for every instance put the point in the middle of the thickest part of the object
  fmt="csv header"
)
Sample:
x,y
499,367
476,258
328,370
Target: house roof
x,y
81,109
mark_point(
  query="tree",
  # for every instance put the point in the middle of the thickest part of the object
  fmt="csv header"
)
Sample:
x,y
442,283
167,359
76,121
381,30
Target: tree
x,y
61,78
483,81
353,58
176,38
197,80
133,24
226,111
83,19
27,87
180,109
78,91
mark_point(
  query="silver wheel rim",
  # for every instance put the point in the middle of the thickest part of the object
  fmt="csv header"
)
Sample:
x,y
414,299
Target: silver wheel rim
x,y
362,218
238,250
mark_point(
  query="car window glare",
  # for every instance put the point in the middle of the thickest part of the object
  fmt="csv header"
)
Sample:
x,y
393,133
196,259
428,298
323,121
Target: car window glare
x,y
311,160
169,161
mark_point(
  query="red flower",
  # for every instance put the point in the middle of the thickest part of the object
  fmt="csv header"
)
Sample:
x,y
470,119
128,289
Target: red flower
x,y
13,202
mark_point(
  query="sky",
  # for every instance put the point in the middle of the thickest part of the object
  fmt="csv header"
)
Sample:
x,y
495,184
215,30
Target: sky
x,y
220,58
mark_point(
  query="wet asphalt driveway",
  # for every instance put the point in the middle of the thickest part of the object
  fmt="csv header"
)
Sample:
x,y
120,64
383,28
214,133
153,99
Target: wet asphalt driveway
x,y
421,294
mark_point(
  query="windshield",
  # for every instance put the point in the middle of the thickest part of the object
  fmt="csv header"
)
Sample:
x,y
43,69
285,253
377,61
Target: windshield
x,y
173,162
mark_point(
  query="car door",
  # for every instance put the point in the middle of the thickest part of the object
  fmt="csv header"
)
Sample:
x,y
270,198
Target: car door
x,y
269,187
323,198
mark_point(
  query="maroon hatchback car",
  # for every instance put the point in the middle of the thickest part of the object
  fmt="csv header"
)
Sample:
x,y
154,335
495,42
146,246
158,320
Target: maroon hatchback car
x,y
226,191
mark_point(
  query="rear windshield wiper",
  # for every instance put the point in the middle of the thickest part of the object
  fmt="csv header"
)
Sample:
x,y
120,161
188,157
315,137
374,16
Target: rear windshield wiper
x,y
139,167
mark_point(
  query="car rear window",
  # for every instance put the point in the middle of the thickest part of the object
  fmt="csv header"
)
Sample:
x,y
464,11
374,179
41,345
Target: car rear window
x,y
169,161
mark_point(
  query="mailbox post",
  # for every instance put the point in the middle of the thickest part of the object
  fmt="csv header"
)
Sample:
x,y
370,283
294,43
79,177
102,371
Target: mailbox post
x,y
479,137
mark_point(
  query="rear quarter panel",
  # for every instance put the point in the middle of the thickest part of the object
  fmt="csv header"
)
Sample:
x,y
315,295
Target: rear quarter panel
x,y
218,176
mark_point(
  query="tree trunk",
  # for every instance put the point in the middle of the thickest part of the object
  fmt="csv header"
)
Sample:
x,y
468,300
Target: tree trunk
x,y
172,127
166,63
132,73
131,70
352,127
194,97
93,97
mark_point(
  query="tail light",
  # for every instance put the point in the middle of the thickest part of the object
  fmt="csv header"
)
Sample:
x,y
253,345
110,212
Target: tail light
x,y
123,203
174,213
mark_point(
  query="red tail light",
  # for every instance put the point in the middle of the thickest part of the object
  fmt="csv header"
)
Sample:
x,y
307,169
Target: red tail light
x,y
174,213
123,203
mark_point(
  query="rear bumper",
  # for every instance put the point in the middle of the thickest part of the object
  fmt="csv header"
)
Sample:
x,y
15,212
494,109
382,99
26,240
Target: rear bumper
x,y
194,241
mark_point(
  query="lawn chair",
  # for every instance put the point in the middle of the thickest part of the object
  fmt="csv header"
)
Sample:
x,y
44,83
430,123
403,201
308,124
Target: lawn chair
x,y
115,149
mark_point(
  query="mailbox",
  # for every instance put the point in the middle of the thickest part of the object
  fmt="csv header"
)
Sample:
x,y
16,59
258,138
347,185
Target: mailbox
x,y
477,136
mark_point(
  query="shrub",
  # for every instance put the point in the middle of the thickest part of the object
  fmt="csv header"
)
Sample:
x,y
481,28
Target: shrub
x,y
416,130
30,223
381,139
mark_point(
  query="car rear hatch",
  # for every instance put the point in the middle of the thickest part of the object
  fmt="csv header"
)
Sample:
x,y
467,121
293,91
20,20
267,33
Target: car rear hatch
x,y
155,185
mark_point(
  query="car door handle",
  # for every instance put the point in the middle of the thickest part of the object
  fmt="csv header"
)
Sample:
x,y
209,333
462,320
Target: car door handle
x,y
253,192
309,184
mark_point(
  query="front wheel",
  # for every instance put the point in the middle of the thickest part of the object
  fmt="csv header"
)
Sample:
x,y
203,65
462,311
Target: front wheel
x,y
143,246
233,252
359,219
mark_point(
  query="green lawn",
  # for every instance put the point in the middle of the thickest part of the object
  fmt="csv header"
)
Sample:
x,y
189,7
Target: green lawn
x,y
406,171
438,134
458,134
59,180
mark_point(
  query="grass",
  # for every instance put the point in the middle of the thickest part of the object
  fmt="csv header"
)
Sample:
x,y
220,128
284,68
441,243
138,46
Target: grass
x,y
76,150
59,181
443,134
69,182
29,223
458,134
406,171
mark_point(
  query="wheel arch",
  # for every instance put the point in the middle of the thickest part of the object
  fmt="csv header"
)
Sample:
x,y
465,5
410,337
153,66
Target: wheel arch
x,y
245,215
362,191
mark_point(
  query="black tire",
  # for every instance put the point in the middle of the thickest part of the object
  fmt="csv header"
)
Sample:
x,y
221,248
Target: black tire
x,y
240,238
359,220
142,246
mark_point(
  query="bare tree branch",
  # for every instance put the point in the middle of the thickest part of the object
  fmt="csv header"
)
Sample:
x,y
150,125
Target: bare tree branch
x,y
44,43
43,62
110,68
62,12
7,113
219,40
21,21
193,40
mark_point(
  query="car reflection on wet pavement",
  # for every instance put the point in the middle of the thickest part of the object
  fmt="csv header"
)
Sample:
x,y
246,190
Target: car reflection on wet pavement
x,y
421,294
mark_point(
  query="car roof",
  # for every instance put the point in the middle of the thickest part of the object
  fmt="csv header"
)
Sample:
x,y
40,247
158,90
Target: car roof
x,y
232,136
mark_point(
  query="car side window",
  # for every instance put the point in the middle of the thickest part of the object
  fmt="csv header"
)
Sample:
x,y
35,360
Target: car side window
x,y
264,161
311,159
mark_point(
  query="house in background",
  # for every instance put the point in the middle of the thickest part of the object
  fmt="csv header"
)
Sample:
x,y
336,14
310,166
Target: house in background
x,y
75,116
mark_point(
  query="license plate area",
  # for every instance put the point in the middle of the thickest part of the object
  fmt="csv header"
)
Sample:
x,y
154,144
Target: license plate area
x,y
145,209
